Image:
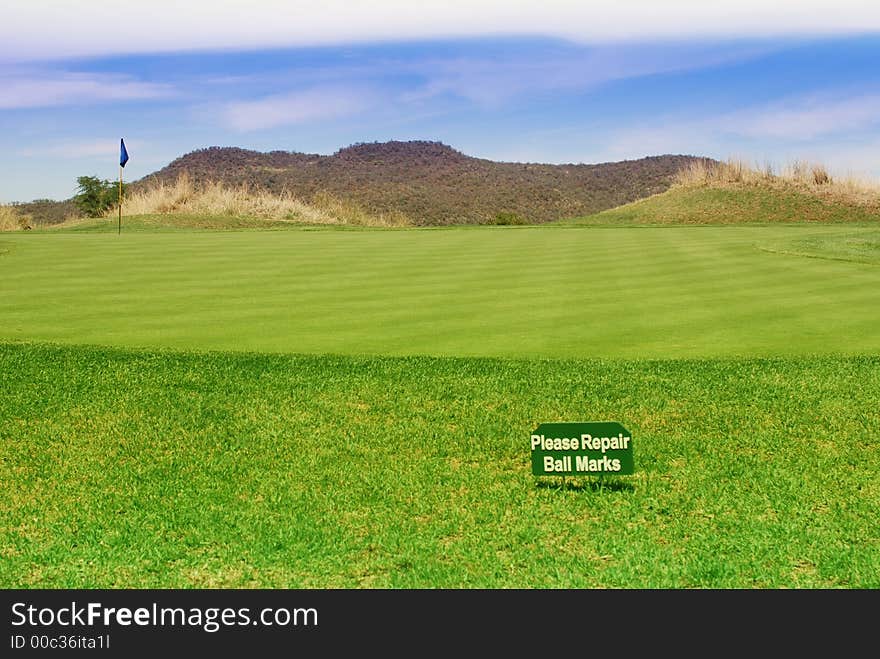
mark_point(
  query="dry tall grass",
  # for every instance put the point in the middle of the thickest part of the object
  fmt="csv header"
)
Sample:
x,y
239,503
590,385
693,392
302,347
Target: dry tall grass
x,y
185,197
13,220
812,178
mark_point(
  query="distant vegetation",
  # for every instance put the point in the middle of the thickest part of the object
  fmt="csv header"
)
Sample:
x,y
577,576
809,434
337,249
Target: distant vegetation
x,y
35,214
377,184
427,183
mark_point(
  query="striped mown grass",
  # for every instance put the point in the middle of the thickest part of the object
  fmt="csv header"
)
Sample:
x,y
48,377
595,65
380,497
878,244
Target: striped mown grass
x,y
492,291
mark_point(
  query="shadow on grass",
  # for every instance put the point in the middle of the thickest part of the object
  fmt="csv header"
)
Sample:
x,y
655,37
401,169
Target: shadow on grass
x,y
582,485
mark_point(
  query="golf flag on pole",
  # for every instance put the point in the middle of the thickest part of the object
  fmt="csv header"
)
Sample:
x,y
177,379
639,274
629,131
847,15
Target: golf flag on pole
x,y
123,154
123,158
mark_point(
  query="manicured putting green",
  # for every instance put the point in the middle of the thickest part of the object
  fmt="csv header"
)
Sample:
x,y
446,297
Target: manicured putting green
x,y
658,292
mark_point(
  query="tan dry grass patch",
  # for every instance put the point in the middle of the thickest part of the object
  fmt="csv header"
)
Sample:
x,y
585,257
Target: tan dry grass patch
x,y
214,198
13,220
809,177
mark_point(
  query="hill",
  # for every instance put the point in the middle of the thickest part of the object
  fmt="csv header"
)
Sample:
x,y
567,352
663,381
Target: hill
x,y
731,193
744,205
429,182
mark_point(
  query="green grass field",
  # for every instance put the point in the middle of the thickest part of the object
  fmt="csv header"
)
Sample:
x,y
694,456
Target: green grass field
x,y
164,469
351,408
665,292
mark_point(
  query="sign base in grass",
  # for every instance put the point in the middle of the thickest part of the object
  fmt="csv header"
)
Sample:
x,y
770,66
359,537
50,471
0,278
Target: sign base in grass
x,y
581,449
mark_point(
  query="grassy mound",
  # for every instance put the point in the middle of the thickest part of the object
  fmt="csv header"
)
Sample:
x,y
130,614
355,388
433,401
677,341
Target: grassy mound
x,y
731,193
733,205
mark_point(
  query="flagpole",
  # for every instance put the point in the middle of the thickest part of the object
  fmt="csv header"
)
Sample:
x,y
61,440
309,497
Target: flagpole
x,y
123,158
119,232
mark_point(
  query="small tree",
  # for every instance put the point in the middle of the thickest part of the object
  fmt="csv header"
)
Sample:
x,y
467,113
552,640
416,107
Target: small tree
x,y
95,196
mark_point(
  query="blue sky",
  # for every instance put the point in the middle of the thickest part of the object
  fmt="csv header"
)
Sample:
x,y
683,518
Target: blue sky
x,y
539,82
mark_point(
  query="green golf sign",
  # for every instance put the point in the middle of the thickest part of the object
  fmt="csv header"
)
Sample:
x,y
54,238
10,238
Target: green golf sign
x,y
581,449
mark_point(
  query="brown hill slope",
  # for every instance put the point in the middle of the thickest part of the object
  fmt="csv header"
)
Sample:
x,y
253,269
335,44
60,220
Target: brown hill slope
x,y
432,183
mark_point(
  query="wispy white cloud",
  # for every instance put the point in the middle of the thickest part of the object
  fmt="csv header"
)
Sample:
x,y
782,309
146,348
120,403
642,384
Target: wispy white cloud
x,y
81,28
97,148
839,131
484,77
858,158
491,80
53,88
319,103
807,118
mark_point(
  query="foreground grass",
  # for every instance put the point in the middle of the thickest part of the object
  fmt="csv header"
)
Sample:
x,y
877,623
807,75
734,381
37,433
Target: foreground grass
x,y
161,469
669,292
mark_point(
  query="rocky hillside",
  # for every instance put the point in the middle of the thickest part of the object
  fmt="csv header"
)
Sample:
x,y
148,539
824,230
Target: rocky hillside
x,y
432,183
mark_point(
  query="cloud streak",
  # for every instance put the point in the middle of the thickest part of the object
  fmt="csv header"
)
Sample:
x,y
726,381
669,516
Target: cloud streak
x,y
807,119
316,104
98,148
48,89
807,127
488,81
80,29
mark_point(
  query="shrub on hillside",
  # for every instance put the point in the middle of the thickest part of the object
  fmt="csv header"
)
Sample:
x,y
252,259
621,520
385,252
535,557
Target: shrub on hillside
x,y
94,196
507,218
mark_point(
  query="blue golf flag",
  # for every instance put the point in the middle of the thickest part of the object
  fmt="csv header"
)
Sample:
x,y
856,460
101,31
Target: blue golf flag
x,y
123,154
